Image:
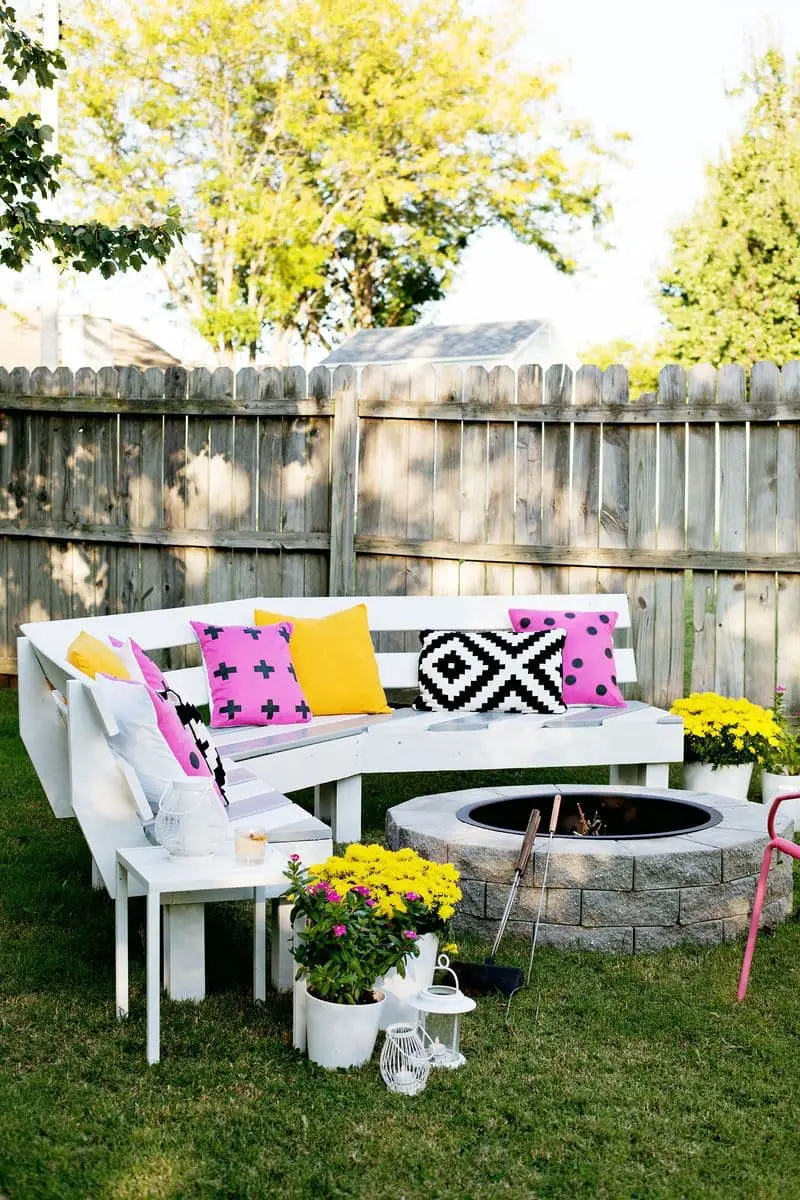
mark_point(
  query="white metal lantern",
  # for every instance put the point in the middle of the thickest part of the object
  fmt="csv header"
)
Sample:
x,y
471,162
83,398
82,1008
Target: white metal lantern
x,y
441,1007
404,1062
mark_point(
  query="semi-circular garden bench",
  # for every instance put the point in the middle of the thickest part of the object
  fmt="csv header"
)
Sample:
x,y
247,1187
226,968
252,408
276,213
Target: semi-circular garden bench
x,y
67,742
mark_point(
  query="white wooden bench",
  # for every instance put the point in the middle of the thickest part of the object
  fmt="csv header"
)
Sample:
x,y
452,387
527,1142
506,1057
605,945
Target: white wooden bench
x,y
80,778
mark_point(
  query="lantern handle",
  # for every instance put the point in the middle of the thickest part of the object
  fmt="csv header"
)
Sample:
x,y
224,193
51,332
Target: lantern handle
x,y
443,964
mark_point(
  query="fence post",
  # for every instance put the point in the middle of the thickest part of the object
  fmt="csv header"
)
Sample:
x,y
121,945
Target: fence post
x,y
344,452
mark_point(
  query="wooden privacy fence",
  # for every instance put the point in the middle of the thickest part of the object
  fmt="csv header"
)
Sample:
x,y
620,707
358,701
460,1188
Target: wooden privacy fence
x,y
123,489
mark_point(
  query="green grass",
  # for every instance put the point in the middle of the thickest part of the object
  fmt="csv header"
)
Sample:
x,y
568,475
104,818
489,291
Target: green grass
x,y
641,1078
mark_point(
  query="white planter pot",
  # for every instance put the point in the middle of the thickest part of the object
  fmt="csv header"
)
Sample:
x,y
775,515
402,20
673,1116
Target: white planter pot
x,y
719,781
776,785
419,974
341,1035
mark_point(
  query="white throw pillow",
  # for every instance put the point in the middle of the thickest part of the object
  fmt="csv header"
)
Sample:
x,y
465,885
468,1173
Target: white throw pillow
x,y
139,741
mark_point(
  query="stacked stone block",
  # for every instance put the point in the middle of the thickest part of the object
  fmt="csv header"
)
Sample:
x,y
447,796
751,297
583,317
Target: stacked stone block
x,y
621,895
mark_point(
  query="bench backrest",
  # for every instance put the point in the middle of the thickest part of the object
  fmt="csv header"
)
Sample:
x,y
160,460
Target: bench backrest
x,y
169,628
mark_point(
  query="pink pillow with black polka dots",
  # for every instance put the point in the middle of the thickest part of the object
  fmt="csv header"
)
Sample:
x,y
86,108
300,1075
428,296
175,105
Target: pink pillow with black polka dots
x,y
589,671
251,679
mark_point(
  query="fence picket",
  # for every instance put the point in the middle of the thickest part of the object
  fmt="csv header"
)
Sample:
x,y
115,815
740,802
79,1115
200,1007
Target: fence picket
x,y
730,610
700,531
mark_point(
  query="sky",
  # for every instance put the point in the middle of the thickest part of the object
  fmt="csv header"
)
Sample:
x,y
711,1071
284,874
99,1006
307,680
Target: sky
x,y
658,72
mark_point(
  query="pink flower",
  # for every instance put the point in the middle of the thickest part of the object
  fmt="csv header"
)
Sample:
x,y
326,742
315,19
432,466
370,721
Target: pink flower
x,y
780,688
410,934
334,897
361,890
370,903
339,930
294,858
412,896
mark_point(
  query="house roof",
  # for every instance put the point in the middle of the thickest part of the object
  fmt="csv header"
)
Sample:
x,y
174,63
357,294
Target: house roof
x,y
20,340
440,343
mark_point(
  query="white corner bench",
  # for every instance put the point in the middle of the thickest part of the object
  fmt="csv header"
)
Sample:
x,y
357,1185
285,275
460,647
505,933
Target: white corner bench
x,y
68,747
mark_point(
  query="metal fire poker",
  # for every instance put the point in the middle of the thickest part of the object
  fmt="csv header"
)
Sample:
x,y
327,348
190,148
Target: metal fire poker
x,y
553,822
487,976
551,832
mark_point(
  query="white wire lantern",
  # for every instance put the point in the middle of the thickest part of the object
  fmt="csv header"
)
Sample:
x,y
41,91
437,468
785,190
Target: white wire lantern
x,y
404,1064
441,1007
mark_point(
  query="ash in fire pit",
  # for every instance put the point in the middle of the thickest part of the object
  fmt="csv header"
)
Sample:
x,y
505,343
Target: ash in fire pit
x,y
595,812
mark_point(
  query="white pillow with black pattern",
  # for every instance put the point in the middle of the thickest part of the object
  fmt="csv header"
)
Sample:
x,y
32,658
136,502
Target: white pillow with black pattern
x,y
493,671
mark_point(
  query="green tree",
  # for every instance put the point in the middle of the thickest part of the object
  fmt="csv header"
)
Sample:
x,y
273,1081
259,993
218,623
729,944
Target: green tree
x,y
640,361
333,157
29,175
732,290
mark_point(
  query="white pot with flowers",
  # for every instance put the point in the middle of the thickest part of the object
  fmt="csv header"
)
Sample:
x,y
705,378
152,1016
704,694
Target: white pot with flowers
x,y
782,763
343,942
723,739
417,895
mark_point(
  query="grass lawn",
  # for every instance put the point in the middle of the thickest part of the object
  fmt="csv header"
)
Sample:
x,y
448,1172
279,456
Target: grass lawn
x,y
642,1077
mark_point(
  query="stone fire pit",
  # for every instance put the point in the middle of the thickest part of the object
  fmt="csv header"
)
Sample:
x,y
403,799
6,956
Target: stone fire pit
x,y
617,893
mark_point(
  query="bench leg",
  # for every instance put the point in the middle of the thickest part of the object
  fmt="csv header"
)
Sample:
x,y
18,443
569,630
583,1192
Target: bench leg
x,y
299,1015
260,946
184,951
281,941
97,879
339,803
654,775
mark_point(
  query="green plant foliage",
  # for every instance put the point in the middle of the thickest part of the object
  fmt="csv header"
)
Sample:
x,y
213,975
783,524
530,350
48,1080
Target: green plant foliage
x,y
29,175
732,290
640,362
333,157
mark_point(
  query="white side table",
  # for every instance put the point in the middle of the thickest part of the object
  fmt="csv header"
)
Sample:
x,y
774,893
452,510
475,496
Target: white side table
x,y
209,878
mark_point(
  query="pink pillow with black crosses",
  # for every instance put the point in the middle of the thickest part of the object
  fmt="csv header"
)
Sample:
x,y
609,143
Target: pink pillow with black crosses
x,y
589,672
251,680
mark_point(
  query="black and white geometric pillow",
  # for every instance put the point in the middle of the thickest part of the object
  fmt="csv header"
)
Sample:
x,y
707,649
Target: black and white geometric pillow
x,y
191,719
497,671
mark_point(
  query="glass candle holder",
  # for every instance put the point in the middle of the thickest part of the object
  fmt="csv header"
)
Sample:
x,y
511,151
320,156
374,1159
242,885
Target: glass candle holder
x,y
251,846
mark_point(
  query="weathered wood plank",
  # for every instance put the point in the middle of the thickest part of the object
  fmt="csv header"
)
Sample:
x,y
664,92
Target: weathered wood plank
x,y
762,502
584,488
555,475
500,513
472,504
788,541
730,613
700,530
642,525
343,483
668,659
613,518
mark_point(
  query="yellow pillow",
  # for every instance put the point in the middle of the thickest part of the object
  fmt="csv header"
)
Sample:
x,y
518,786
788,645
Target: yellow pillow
x,y
335,661
94,657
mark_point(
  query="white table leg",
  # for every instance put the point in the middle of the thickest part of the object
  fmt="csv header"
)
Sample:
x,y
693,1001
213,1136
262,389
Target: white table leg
x,y
299,1005
282,964
153,976
184,951
121,938
260,945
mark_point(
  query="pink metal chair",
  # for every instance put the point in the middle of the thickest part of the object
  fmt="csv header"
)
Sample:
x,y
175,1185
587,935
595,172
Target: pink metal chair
x,y
779,845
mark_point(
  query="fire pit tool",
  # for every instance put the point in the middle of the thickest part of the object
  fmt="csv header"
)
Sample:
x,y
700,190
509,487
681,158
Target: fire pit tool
x,y
486,976
553,822
551,832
